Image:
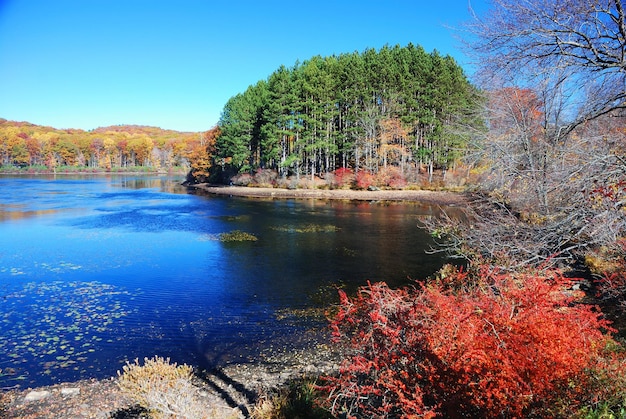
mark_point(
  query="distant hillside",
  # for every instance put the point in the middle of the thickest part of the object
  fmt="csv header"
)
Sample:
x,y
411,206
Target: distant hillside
x,y
24,145
139,129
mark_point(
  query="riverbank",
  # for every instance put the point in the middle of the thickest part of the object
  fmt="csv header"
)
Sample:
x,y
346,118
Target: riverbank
x,y
228,392
435,197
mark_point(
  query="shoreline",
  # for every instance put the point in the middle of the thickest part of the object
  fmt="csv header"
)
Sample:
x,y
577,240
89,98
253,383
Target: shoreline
x,y
98,173
410,195
233,389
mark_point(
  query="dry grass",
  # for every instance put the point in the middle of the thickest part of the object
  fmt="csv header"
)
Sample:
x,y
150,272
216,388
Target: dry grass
x,y
167,390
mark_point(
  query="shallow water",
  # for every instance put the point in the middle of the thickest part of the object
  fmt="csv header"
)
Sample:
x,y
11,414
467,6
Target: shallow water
x,y
97,270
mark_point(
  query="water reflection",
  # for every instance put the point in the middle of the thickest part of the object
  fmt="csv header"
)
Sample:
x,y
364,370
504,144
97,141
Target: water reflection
x,y
16,212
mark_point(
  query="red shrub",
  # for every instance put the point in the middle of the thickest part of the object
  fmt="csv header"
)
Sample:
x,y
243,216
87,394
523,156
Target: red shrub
x,y
503,347
344,177
364,179
265,177
241,179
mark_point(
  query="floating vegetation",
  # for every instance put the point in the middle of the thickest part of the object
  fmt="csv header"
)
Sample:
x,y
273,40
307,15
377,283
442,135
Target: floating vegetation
x,y
62,267
349,252
233,236
54,326
310,313
308,228
234,218
237,236
12,271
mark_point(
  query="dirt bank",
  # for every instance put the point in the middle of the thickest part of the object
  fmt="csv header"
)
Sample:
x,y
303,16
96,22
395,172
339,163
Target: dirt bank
x,y
435,197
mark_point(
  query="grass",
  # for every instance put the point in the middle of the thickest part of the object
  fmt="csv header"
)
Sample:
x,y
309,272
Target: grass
x,y
296,400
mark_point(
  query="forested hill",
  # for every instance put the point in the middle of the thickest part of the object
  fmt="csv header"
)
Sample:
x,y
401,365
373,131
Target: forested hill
x,y
141,129
397,106
27,146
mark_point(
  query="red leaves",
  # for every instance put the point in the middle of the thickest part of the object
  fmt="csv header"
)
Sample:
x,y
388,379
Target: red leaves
x,y
613,191
364,179
507,346
344,178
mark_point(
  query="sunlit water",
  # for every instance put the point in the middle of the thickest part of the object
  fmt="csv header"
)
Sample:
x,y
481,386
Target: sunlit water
x,y
98,270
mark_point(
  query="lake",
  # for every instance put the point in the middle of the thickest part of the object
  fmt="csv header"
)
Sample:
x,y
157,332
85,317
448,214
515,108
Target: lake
x,y
98,270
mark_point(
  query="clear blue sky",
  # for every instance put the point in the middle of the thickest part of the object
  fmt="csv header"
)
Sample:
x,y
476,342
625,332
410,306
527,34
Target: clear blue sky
x,y
174,64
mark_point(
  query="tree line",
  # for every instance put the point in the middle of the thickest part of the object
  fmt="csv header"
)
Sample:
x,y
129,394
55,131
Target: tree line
x,y
24,145
397,106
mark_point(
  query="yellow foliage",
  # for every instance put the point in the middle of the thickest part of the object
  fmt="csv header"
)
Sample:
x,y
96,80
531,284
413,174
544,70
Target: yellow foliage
x,y
532,217
601,262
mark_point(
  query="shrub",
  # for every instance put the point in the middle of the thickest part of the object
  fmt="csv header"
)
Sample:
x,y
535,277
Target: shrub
x,y
607,390
364,179
609,264
241,179
298,399
391,176
165,389
493,345
343,178
265,178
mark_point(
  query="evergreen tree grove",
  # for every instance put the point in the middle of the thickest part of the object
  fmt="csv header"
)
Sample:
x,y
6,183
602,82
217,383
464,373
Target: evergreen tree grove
x,y
362,111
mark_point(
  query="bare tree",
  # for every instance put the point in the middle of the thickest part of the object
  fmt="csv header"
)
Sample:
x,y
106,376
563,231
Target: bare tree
x,y
583,41
555,73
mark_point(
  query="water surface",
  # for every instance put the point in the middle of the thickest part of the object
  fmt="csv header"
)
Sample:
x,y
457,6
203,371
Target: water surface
x,y
97,270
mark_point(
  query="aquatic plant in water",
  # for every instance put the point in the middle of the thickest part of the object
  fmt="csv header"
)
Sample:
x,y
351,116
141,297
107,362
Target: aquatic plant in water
x,y
53,327
237,236
308,228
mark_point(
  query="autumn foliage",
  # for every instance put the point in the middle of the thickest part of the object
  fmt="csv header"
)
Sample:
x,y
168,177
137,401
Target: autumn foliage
x,y
343,178
364,179
608,262
25,146
483,345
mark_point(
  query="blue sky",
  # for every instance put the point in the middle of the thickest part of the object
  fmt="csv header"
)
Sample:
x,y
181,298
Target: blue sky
x,y
174,64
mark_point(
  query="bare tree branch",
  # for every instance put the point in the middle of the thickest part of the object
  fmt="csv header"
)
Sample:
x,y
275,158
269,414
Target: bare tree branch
x,y
525,41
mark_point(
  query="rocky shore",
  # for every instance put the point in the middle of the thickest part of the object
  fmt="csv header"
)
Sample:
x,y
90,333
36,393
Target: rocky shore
x,y
229,392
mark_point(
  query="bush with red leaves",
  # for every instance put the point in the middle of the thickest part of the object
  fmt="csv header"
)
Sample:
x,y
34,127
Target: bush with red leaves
x,y
364,179
344,178
493,345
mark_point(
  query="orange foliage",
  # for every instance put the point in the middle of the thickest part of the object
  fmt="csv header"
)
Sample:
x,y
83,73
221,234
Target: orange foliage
x,y
200,153
344,177
364,179
391,176
518,109
24,144
491,345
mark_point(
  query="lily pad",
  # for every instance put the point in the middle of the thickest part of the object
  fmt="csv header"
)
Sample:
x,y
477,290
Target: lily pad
x,y
46,319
